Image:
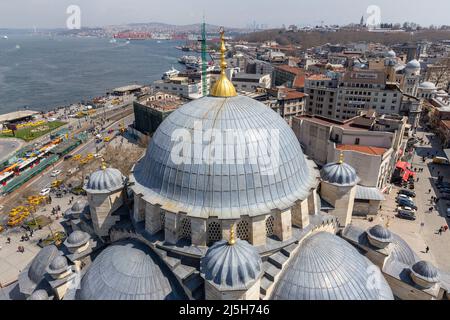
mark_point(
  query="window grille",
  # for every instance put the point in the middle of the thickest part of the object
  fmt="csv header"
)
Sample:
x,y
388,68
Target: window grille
x,y
269,226
185,229
214,232
242,229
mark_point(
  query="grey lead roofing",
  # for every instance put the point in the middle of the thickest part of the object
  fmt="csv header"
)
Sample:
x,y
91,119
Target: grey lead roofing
x,y
380,233
248,186
105,181
231,267
327,267
129,270
426,271
368,193
340,174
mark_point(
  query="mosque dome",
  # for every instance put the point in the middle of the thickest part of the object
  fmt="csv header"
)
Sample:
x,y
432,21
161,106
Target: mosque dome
x,y
427,86
424,273
401,251
105,180
129,270
247,185
58,265
39,295
231,266
327,267
339,173
413,64
379,236
391,54
77,239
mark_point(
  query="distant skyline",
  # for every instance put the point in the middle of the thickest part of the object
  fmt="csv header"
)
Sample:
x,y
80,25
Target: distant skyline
x,y
230,13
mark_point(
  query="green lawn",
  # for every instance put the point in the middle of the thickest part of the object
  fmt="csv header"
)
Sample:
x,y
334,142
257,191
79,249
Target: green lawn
x,y
32,133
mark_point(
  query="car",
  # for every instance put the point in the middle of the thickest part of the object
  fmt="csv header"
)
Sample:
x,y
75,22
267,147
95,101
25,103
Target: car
x,y
406,203
406,215
446,198
68,157
403,196
45,192
443,184
406,208
56,173
448,213
408,193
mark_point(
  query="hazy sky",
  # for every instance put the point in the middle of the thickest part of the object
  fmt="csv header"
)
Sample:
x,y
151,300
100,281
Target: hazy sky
x,y
236,13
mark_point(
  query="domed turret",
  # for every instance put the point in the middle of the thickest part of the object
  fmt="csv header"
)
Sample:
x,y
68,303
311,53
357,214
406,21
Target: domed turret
x,y
58,266
424,274
76,240
105,180
379,236
339,173
391,54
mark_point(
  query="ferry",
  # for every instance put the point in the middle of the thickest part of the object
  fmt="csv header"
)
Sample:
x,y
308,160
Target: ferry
x,y
5,37
170,74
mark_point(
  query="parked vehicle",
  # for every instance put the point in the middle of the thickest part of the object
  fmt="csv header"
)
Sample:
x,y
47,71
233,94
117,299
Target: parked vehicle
x,y
407,203
45,192
405,208
448,213
440,160
445,197
55,173
404,196
68,157
408,193
406,215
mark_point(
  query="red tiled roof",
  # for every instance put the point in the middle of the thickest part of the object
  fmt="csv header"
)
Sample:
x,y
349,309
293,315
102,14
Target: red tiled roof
x,y
363,149
299,81
290,95
293,70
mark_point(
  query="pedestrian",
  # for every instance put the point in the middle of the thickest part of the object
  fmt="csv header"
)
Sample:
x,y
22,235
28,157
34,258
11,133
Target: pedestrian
x,y
445,228
417,179
427,249
429,191
440,231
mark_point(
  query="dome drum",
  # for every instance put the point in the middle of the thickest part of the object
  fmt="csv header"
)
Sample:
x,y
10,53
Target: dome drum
x,y
379,236
424,274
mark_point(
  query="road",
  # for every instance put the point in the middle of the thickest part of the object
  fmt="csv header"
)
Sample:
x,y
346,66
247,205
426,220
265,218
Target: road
x,y
44,179
8,146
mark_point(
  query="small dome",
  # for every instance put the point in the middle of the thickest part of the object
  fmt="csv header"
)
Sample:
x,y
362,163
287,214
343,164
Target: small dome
x,y
129,270
77,239
105,180
79,206
427,86
233,267
39,295
413,64
390,62
58,265
425,271
327,267
380,233
391,54
339,173
401,251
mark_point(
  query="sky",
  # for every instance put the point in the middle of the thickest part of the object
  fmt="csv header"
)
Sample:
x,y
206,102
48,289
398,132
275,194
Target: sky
x,y
230,13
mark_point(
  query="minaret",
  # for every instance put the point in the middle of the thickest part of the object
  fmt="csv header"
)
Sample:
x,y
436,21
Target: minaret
x,y
223,87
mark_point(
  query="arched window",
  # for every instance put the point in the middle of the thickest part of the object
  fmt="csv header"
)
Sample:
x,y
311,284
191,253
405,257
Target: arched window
x,y
185,232
270,221
214,232
242,230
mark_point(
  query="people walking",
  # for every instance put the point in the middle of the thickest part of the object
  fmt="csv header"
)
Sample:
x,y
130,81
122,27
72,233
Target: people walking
x,y
8,240
427,249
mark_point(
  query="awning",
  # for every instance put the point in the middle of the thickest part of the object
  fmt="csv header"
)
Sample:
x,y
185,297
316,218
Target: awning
x,y
368,193
408,173
447,154
403,165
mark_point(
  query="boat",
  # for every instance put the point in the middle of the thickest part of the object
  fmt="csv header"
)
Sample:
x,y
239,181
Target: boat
x,y
170,74
189,60
5,37
112,41
128,41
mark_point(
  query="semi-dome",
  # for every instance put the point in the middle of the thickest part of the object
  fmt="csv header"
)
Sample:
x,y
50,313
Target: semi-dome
x,y
235,183
231,267
401,251
413,64
427,86
35,271
425,271
339,173
105,180
77,239
39,295
327,267
129,270
58,265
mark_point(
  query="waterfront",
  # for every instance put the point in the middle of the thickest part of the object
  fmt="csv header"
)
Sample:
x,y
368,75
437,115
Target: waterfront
x,y
43,72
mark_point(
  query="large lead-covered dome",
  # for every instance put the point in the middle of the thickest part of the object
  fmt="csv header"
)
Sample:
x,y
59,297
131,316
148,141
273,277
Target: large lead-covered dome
x,y
244,186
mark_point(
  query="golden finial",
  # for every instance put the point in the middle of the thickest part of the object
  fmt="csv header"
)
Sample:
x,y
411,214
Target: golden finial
x,y
223,87
232,240
341,158
103,164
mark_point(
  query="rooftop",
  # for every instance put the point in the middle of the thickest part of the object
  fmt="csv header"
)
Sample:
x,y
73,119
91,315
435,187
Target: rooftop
x,y
131,87
348,124
363,149
17,115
